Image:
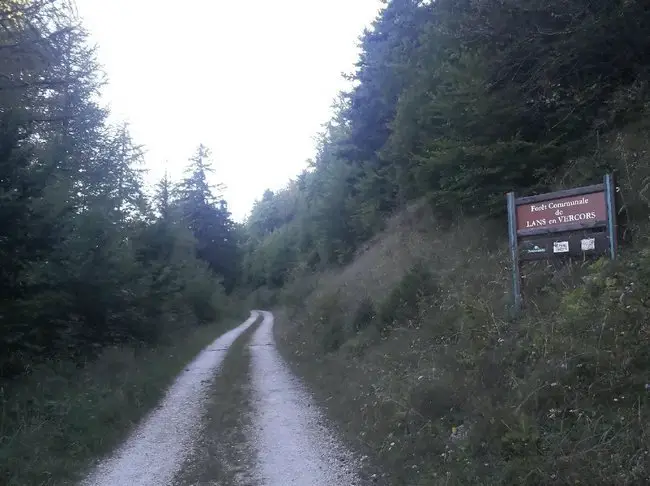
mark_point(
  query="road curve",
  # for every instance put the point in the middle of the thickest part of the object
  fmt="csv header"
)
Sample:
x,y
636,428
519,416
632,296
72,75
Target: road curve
x,y
293,446
157,449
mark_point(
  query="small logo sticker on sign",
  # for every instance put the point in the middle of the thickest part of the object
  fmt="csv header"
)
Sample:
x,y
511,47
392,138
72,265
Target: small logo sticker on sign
x,y
560,247
536,249
588,244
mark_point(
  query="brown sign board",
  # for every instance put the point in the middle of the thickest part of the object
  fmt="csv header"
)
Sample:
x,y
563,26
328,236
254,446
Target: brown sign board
x,y
579,222
559,212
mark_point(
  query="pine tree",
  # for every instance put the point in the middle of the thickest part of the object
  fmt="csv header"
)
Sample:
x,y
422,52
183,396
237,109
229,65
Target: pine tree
x,y
84,261
206,215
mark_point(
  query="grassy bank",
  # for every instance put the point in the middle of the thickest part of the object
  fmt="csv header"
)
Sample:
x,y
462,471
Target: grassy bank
x,y
415,352
60,418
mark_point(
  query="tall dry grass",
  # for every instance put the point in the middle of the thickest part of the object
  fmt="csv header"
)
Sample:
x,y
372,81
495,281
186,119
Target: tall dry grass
x,y
414,350
61,417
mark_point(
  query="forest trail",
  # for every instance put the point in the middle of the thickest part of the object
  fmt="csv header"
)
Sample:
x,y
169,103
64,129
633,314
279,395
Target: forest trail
x,y
157,448
188,440
294,444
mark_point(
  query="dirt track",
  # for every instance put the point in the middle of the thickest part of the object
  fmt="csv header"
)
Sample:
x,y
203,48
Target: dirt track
x,y
289,440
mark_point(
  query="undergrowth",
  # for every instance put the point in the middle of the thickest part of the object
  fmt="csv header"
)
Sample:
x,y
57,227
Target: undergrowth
x,y
446,388
413,348
61,417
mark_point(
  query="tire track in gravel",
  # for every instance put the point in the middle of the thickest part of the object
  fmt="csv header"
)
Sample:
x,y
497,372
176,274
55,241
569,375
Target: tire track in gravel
x,y
159,446
223,455
295,444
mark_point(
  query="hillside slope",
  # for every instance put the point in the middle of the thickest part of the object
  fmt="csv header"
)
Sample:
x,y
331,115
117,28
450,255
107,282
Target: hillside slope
x,y
388,255
413,350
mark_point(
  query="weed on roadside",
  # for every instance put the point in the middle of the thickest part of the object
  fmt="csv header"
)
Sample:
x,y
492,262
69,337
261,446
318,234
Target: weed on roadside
x,y
448,388
61,417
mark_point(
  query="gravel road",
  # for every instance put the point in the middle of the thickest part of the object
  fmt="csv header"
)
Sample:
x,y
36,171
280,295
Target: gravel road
x,y
294,445
292,441
159,446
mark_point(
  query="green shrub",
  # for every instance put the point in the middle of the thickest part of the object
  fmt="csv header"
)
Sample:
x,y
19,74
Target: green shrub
x,y
329,318
402,305
363,315
333,337
60,417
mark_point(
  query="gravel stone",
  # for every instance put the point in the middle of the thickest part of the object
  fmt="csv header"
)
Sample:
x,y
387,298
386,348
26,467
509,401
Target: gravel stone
x,y
292,445
160,445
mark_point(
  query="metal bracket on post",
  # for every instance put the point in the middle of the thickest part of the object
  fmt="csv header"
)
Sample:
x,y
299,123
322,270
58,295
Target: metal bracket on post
x,y
514,250
610,199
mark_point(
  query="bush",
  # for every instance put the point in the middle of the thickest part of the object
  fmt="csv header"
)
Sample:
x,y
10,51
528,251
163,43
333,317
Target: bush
x,y
61,417
402,306
364,315
456,391
329,322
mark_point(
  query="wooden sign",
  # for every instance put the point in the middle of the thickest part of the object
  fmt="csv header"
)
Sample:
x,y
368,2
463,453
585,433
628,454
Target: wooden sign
x,y
561,213
576,222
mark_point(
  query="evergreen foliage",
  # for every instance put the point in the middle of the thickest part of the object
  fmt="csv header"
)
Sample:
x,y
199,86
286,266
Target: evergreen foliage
x,y
86,258
459,102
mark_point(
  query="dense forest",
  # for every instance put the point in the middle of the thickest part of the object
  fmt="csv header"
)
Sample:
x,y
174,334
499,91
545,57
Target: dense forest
x,y
87,258
459,102
455,101
387,259
387,254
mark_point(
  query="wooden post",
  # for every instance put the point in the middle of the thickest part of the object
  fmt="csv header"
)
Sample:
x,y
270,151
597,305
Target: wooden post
x,y
610,199
514,250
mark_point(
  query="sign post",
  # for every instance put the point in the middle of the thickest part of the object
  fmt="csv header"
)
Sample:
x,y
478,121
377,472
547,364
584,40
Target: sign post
x,y
514,250
577,222
611,214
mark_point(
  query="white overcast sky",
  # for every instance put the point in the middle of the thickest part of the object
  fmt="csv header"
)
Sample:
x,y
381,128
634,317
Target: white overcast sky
x,y
253,80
